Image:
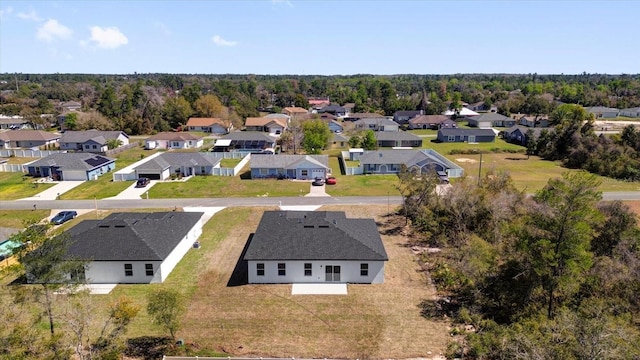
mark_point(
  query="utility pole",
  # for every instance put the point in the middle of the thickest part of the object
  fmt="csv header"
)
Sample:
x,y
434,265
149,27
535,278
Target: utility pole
x,y
480,170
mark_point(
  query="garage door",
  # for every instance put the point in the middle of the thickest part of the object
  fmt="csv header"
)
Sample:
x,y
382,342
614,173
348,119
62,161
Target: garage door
x,y
150,176
317,173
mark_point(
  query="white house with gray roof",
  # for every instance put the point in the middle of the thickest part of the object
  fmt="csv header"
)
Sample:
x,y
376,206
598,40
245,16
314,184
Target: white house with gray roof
x,y
631,112
302,167
95,141
391,162
377,124
602,112
179,163
315,247
133,248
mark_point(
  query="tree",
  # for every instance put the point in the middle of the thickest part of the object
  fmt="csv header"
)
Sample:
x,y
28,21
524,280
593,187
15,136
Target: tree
x,y
355,141
177,111
369,141
531,143
301,101
210,106
49,266
557,238
316,136
71,121
164,306
113,143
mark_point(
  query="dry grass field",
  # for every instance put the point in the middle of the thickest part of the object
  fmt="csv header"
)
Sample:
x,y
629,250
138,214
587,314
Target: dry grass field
x,y
372,321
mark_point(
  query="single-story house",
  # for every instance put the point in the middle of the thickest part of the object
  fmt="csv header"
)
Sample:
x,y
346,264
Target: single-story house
x,y
209,125
487,120
534,121
333,109
358,116
431,122
91,140
403,116
133,248
397,139
173,140
517,134
180,163
630,112
319,102
302,167
274,126
12,122
603,112
420,161
294,111
339,141
463,112
315,247
253,141
377,124
70,106
27,139
71,166
466,135
479,106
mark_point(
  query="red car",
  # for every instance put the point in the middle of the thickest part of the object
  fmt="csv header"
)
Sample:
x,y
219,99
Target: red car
x,y
331,180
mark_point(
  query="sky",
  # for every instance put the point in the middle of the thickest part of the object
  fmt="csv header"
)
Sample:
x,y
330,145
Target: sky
x,y
304,37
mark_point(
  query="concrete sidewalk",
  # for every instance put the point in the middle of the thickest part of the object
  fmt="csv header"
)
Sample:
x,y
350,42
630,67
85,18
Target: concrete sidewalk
x,y
52,193
317,191
132,192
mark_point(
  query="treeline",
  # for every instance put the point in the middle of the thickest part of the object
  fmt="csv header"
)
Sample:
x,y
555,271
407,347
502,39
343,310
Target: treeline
x,y
573,141
143,103
550,276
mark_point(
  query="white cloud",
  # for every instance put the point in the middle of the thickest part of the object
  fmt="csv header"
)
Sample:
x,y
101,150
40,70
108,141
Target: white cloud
x,y
218,40
52,30
108,38
31,15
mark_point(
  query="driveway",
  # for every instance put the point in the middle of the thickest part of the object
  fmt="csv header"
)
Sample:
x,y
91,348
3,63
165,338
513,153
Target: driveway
x,y
317,191
52,193
133,193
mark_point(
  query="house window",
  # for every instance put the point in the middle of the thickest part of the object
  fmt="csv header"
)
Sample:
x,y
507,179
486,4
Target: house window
x,y
364,269
304,172
95,146
307,269
260,269
451,138
203,170
128,270
282,269
264,171
149,269
175,144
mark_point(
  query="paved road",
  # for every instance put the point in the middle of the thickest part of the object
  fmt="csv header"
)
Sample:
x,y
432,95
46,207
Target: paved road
x,y
254,201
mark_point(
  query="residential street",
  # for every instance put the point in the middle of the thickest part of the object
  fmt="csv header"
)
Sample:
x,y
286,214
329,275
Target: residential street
x,y
227,202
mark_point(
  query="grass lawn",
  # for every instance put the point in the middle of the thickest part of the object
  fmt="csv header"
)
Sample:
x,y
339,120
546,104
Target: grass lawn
x,y
446,148
229,163
17,186
529,175
20,160
227,186
17,218
360,185
430,132
104,187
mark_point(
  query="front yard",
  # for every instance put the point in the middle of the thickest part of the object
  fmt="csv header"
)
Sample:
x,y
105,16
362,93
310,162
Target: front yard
x,y
15,185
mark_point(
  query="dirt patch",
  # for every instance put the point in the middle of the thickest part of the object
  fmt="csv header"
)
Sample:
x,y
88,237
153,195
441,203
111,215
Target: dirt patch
x,y
634,206
372,321
466,160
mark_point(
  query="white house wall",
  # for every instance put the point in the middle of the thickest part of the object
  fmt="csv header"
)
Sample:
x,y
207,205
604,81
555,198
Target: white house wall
x,y
350,272
112,272
180,250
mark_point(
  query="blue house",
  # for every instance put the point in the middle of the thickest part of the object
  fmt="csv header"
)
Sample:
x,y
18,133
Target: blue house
x,y
466,135
71,166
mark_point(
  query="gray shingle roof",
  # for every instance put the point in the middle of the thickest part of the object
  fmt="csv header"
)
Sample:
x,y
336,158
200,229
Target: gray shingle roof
x,y
407,157
490,117
73,161
98,136
287,161
249,135
322,235
130,236
26,135
169,159
396,136
376,121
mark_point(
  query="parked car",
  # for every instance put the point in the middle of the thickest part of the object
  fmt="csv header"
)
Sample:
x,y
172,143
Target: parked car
x,y
318,181
331,180
142,182
63,216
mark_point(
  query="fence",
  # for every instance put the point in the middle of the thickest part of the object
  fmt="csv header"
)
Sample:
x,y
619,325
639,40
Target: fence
x,y
28,153
11,168
122,148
